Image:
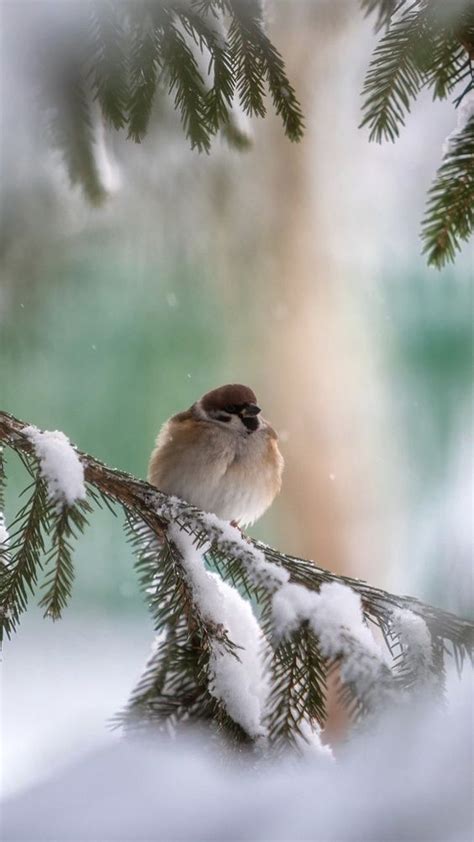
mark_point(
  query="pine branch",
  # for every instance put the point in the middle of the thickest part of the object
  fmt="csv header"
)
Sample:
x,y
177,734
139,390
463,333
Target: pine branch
x,y
297,699
366,683
449,216
4,536
384,10
184,80
424,46
219,96
419,664
148,503
129,52
144,64
255,58
178,679
428,44
187,677
247,61
173,687
394,77
58,584
71,130
140,708
19,576
448,65
109,61
377,603
3,478
450,30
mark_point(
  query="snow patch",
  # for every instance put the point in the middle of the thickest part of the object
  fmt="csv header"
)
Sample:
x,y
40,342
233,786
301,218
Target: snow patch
x,y
465,112
4,536
335,617
59,464
239,682
291,605
263,572
333,613
415,641
4,541
338,613
308,741
229,538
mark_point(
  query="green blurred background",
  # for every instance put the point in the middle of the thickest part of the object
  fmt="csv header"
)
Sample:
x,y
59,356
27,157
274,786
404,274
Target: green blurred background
x,y
107,353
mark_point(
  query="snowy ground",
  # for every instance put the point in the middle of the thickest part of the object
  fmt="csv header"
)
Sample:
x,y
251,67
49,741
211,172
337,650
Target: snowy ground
x,y
66,777
410,782
61,683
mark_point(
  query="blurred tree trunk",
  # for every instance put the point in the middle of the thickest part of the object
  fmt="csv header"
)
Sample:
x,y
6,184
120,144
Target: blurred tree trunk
x,y
310,353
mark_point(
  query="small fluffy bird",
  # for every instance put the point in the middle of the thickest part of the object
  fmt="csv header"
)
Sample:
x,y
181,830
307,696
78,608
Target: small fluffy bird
x,y
220,455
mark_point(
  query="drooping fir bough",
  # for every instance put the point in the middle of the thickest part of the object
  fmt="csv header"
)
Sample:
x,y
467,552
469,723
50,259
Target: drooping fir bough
x,y
214,58
246,635
428,45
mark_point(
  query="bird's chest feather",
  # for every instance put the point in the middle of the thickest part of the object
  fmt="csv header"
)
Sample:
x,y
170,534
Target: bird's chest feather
x,y
249,483
235,476
237,462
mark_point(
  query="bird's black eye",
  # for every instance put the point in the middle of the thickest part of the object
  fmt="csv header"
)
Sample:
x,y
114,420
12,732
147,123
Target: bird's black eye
x,y
231,409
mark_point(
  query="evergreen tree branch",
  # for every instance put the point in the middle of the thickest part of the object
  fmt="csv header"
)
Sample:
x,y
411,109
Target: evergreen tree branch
x,y
218,97
378,604
425,45
58,584
178,679
196,666
235,556
297,702
448,66
184,79
419,663
4,536
109,61
126,53
366,684
383,9
19,575
449,216
394,77
3,478
144,64
428,44
255,58
71,130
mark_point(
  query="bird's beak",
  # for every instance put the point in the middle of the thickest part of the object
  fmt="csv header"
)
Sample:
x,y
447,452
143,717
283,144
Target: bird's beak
x,y
251,409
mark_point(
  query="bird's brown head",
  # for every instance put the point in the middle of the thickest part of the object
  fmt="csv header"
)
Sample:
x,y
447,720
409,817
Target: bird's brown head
x,y
231,403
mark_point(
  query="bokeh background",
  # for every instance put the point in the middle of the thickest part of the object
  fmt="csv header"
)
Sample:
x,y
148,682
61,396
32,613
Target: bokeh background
x,y
294,269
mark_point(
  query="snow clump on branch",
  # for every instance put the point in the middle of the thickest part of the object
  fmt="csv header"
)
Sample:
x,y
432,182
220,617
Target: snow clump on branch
x,y
59,464
4,536
335,617
415,641
239,679
4,540
465,112
332,613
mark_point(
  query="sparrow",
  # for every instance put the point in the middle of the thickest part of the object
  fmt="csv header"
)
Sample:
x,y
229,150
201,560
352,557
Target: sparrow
x,y
220,455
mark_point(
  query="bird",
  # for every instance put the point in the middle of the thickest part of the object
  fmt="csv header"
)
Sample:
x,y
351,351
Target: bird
x,y
220,455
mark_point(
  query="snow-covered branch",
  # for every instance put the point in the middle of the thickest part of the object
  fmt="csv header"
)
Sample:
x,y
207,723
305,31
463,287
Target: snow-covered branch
x,y
247,634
